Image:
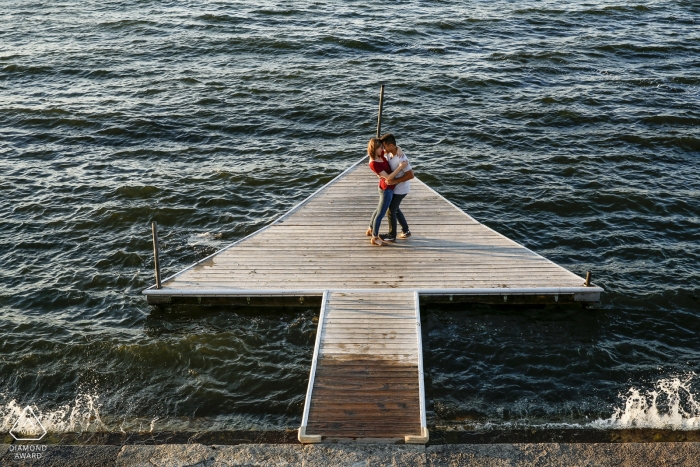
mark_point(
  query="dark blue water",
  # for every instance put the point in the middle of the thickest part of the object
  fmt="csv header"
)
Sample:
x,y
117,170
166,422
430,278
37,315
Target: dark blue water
x,y
573,128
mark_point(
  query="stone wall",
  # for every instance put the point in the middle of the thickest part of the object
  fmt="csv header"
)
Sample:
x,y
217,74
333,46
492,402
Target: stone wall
x,y
357,455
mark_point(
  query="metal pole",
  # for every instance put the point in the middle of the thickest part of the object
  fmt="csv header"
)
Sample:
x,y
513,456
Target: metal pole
x,y
588,279
381,105
154,230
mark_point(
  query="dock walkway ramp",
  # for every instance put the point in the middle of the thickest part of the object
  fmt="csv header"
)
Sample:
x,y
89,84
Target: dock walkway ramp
x,y
367,371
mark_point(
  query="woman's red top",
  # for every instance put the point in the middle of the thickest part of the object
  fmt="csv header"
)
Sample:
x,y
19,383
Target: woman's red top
x,y
378,167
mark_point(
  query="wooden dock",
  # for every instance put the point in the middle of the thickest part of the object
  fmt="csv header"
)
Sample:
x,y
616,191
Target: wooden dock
x,y
321,245
366,379
367,371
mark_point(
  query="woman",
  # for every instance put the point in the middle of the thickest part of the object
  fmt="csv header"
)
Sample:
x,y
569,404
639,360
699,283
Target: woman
x,y
380,166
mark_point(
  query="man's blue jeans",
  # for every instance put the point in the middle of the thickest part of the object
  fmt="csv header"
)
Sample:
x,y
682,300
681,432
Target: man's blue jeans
x,y
385,197
396,214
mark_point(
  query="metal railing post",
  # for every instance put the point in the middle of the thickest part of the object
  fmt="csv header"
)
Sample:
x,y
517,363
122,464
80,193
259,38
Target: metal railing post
x,y
381,105
154,230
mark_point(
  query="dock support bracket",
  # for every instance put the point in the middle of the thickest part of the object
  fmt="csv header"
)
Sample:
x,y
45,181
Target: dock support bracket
x,y
307,439
422,439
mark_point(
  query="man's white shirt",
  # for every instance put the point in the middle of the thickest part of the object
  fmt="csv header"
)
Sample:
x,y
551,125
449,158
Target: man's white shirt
x,y
404,187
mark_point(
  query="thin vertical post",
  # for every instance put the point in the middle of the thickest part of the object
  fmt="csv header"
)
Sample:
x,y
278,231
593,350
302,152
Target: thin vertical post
x,y
588,279
154,230
381,106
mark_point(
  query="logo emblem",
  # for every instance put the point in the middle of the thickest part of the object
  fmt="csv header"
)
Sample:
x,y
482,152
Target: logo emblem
x,y
28,427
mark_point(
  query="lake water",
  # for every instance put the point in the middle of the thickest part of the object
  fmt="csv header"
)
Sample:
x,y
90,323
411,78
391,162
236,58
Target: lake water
x,y
572,128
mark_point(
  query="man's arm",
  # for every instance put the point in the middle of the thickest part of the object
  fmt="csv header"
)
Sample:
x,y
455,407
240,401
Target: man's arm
x,y
407,176
392,175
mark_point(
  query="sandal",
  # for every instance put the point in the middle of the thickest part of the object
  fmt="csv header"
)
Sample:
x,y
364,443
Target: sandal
x,y
369,232
377,241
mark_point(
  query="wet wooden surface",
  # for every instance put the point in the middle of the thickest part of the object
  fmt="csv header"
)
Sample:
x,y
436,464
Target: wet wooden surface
x,y
366,383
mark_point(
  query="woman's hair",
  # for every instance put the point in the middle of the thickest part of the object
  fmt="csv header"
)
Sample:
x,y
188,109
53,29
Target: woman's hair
x,y
372,146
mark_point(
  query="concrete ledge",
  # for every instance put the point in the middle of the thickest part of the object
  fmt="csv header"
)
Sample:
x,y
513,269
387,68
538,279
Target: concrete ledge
x,y
566,455
182,455
60,456
283,455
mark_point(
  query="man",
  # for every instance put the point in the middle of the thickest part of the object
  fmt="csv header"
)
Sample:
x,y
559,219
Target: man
x,y
401,188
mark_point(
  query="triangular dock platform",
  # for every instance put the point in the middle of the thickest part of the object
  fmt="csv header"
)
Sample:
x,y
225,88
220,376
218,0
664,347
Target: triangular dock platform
x,y
367,377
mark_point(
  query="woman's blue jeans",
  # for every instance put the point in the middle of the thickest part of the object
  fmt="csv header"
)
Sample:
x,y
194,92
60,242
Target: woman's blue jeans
x,y
385,197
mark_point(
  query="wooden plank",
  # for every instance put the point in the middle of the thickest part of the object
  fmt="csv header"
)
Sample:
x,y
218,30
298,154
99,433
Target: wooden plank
x,y
369,371
353,321
370,314
361,428
456,277
410,285
262,274
354,397
428,248
367,330
367,256
320,279
369,349
365,251
362,340
397,355
398,271
393,273
379,275
405,277
334,403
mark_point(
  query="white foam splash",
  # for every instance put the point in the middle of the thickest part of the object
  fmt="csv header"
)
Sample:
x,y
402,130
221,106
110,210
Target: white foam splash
x,y
670,405
205,239
82,415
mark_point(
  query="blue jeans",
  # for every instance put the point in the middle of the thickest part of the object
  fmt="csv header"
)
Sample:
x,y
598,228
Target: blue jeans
x,y
396,214
385,197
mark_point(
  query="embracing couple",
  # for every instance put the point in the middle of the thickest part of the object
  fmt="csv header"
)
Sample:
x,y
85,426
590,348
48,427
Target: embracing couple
x,y
391,165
